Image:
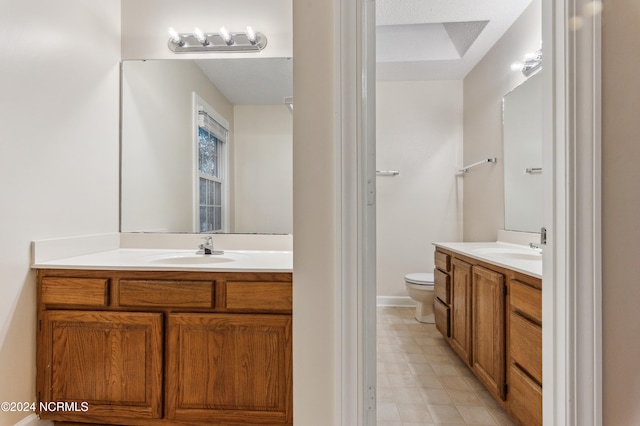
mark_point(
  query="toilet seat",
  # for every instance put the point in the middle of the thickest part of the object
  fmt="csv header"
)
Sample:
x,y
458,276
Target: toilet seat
x,y
420,278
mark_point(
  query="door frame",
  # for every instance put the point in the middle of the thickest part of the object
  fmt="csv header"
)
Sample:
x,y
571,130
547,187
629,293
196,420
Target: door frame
x,y
572,261
356,235
572,282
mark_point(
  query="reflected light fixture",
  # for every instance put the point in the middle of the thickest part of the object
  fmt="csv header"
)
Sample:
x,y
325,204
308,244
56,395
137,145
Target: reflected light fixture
x,y
223,41
532,62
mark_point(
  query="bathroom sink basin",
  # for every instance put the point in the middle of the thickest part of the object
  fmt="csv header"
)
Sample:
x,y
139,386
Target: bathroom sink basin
x,y
509,253
191,259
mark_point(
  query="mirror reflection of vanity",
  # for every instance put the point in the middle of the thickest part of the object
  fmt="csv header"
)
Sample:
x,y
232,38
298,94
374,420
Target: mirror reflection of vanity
x,y
522,133
159,144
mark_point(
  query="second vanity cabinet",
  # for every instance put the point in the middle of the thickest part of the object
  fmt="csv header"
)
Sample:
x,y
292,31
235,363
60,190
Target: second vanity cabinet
x,y
145,348
492,318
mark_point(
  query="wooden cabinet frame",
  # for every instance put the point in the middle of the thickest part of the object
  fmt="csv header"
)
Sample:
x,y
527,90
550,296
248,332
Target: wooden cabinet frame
x,y
128,342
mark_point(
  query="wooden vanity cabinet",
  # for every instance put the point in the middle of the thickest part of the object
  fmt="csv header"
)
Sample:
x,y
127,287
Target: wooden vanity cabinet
x,y
496,329
178,348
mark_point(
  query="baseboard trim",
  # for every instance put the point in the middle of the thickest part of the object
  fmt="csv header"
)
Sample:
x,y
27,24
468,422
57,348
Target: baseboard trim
x,y
398,301
33,420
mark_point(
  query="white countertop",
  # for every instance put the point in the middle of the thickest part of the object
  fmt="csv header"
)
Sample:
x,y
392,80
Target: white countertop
x,y
525,260
176,260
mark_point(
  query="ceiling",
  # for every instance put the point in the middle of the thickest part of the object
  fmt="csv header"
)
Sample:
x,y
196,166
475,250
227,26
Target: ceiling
x,y
255,81
438,39
415,40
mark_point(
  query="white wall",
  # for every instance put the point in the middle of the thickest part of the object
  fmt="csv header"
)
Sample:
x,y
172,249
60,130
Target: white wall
x,y
263,177
484,88
58,154
419,133
315,228
158,165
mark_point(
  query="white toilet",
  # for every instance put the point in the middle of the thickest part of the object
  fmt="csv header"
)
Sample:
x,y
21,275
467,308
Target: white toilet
x,y
420,288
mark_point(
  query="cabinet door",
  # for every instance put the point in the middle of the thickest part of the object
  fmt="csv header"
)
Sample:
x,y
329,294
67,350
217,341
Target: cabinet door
x,y
112,361
229,368
488,354
460,309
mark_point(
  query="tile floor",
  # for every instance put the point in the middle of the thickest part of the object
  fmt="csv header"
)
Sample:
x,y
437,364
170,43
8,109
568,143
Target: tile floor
x,y
421,381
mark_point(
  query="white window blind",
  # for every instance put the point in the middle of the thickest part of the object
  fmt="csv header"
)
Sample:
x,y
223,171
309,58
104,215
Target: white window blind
x,y
211,125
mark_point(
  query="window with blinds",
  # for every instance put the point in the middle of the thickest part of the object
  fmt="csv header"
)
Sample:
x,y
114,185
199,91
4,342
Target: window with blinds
x,y
212,168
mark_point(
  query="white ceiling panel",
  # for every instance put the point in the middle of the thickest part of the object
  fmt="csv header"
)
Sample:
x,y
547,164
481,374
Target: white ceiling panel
x,y
470,27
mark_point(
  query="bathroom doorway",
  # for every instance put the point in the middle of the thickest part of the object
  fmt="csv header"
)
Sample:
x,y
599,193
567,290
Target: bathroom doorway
x,y
561,257
436,113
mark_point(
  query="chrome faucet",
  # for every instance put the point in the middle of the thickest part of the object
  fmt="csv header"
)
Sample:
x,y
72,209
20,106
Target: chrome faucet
x,y
207,246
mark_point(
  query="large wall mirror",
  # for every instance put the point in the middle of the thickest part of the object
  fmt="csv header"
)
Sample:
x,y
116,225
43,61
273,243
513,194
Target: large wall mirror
x,y
523,185
162,137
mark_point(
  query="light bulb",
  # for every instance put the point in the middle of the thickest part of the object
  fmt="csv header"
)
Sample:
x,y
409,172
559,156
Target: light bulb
x,y
516,66
593,8
175,37
224,33
199,35
251,35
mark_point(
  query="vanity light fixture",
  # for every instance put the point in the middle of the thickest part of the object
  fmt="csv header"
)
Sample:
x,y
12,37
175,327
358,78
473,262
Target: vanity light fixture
x,y
531,63
175,37
223,41
224,33
199,35
251,35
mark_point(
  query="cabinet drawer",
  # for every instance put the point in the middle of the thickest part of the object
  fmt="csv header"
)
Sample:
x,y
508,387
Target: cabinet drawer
x,y
75,291
160,293
442,317
442,261
525,398
262,296
441,286
527,300
526,345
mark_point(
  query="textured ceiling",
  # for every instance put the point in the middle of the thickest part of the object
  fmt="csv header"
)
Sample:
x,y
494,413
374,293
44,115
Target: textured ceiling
x,y
261,81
